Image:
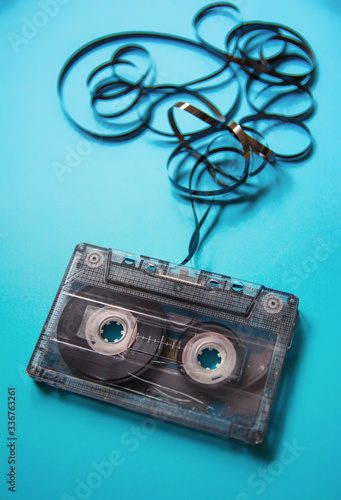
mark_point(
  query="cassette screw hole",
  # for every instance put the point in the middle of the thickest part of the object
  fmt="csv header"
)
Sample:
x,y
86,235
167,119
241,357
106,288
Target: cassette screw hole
x,y
257,437
112,332
209,358
94,259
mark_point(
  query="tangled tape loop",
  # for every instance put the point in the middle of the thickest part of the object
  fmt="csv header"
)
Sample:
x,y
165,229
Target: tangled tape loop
x,y
271,64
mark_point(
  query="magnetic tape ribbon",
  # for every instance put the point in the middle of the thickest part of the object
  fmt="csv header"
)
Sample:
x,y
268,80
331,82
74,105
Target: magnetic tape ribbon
x,y
241,42
125,87
249,146
263,71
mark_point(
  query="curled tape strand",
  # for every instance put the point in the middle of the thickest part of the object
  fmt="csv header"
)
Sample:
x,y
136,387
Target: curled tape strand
x,y
249,49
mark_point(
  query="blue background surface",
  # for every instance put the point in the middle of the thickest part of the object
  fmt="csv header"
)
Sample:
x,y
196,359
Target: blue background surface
x,y
120,196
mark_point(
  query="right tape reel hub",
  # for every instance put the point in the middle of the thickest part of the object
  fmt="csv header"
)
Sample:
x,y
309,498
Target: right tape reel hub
x,y
206,344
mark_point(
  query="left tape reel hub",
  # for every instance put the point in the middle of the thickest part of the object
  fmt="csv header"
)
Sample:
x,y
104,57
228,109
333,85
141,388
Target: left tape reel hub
x,y
88,354
105,316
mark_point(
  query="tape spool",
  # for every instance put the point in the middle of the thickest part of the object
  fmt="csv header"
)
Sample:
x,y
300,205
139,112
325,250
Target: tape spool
x,y
89,355
212,338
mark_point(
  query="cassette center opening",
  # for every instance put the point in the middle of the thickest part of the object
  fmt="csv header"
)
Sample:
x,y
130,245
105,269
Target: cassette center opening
x,y
112,331
209,358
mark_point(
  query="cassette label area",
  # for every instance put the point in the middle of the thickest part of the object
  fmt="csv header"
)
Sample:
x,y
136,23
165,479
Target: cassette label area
x,y
189,346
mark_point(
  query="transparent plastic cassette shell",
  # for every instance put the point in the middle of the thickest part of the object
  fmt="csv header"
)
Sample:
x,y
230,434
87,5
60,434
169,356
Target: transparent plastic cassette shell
x,y
191,347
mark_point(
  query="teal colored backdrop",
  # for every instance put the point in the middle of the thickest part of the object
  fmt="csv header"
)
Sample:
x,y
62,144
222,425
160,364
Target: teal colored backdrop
x,y
119,196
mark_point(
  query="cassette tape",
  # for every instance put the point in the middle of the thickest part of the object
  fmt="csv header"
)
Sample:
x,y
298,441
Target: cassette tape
x,y
172,342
